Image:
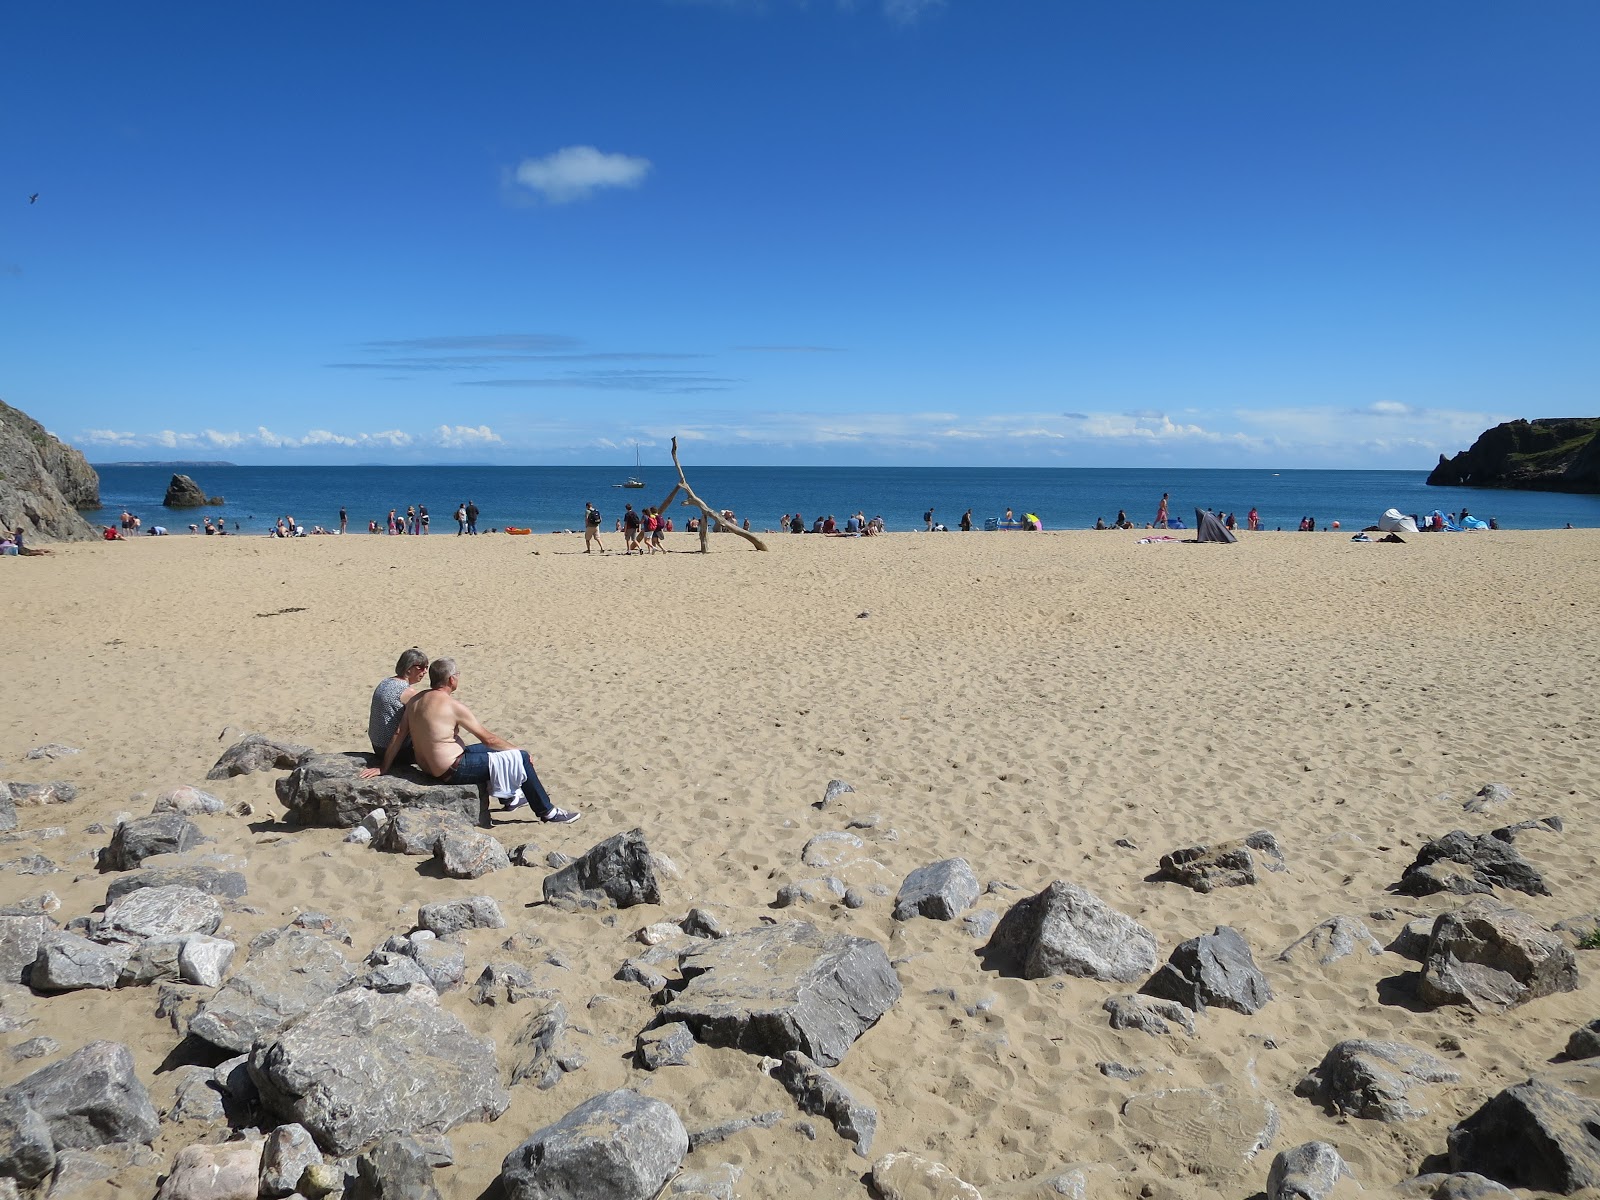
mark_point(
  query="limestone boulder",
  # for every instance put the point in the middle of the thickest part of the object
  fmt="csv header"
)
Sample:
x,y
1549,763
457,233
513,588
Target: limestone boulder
x,y
1068,930
231,1171
66,962
620,872
92,1097
257,752
615,1146
159,912
288,972
470,853
327,790
1489,956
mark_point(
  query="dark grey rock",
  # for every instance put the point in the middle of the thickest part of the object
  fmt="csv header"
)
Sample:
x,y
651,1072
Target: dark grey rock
x,y
664,1046
152,961
27,1151
1373,1079
1213,969
637,970
255,752
1068,930
391,971
1226,864
1538,1134
362,1065
1329,941
452,916
1584,1042
214,881
1490,956
90,1098
1309,1171
20,939
1148,1014
939,891
327,790
615,1146
1414,938
470,853
288,972
67,962
540,1050
1116,1070
141,838
503,983
289,1150
727,1129
781,987
37,795
702,923
817,1092
1508,833
160,912
618,872
1461,863
397,1168
1463,1185
184,492
418,831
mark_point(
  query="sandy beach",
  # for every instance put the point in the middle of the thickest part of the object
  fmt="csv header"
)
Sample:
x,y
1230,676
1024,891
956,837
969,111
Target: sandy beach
x,y
1049,706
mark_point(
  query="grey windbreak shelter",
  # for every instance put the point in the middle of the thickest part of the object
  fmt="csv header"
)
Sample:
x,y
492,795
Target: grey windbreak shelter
x,y
1208,527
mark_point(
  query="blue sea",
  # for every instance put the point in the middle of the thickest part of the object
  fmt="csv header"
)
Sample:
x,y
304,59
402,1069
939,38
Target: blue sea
x,y
552,498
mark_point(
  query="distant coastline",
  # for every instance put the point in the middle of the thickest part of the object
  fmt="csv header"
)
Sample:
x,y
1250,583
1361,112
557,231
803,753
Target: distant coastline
x,y
177,462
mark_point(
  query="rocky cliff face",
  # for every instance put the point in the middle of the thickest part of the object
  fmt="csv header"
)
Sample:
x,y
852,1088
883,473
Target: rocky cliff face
x,y
1551,454
43,482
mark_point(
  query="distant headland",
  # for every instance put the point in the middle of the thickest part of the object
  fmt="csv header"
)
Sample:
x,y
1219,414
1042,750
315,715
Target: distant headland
x,y
1550,454
169,463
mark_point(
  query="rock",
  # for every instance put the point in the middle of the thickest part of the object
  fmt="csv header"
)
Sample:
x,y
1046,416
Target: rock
x,y
1147,1014
322,1179
619,871
655,935
35,1047
67,962
213,881
539,1049
359,836
637,970
503,983
289,1150
27,1152
397,1168
444,963
716,1184
912,1177
1584,1042
1068,930
809,891
20,939
1490,795
1227,864
835,789
1489,956
727,1129
664,1046
362,1065
255,752
90,1098
1328,942
1414,938
1213,969
195,1097
51,751
231,1171
939,891
187,801
151,962
452,916
1214,1132
141,838
1538,1134
1508,833
44,481
159,912
392,971
470,853
830,849
1554,454
205,960
418,831
8,809
184,492
1463,1185
1306,1172
327,790
817,1092
289,971
1461,863
781,987
1374,1079
34,864
615,1146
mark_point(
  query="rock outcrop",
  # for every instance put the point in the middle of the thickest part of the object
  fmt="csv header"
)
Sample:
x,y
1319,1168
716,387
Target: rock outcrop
x,y
327,789
43,481
1548,454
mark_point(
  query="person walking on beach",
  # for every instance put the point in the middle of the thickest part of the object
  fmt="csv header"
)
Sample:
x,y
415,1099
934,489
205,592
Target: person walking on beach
x,y
1253,518
966,521
927,519
344,520
591,527
422,516
472,518
461,519
389,700
630,530
1161,512
434,721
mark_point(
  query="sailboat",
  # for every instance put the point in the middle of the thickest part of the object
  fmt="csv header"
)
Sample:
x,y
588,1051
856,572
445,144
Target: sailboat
x,y
633,481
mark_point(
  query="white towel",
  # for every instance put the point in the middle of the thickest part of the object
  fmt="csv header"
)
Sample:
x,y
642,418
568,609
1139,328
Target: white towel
x,y
506,773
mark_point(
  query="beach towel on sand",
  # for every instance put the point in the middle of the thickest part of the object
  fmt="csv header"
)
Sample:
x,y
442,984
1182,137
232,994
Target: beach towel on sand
x,y
506,773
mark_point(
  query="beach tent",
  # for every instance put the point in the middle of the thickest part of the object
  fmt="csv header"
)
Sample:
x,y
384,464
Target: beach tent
x,y
1394,521
1473,523
1208,527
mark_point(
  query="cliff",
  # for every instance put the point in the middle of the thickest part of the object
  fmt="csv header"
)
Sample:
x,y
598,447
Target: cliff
x,y
43,482
1551,454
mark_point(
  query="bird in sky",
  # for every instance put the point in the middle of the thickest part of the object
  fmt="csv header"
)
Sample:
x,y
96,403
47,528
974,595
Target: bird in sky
x,y
33,197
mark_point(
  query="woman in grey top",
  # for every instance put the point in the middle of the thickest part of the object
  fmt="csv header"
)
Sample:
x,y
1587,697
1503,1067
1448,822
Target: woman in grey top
x,y
389,699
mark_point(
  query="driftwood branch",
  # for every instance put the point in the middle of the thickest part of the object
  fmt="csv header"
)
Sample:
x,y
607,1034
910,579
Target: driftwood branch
x,y
707,513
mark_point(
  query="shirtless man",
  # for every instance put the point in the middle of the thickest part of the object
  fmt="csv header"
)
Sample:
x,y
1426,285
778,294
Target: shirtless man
x,y
434,720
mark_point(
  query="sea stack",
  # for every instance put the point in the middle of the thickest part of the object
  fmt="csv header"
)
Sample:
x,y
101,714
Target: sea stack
x,y
184,492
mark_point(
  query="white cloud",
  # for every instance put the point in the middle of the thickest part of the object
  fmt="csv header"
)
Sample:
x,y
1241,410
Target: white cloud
x,y
109,437
573,172
456,436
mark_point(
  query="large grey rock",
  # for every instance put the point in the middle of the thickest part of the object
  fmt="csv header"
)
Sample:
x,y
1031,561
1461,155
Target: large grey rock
x,y
445,917
289,1150
231,1171
470,853
1539,1134
151,961
1213,969
214,881
417,831
664,1046
1328,941
205,960
397,1168
363,1065
1225,864
326,789
1068,930
615,1146
1373,1079
44,481
1309,1171
92,1097
37,795
1459,862
184,492
20,938
1148,1014
27,1151
444,963
1459,1185
821,1094
8,810
782,987
143,837
288,972
940,890
619,872
255,752
1490,956
67,962
160,912
195,1097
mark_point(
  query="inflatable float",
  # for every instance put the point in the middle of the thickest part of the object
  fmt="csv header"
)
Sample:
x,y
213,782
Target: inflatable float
x,y
514,529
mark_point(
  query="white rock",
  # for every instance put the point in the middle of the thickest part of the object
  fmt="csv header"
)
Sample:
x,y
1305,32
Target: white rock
x,y
205,960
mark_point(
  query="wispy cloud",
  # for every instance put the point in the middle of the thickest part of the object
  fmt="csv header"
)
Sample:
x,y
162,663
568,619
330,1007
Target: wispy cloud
x,y
456,436
262,438
483,352
667,382
575,172
790,349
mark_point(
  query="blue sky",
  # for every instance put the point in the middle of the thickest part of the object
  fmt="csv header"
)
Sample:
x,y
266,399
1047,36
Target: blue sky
x,y
980,232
